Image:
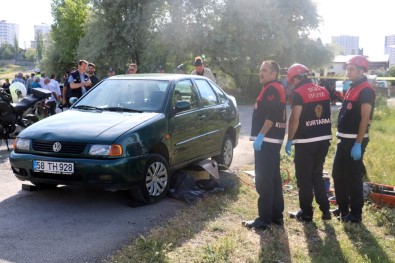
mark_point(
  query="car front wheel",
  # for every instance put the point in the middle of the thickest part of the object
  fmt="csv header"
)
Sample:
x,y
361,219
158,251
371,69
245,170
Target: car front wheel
x,y
224,160
156,180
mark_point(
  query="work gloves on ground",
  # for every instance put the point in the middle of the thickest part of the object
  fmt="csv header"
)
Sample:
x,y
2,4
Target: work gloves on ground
x,y
288,147
258,142
356,151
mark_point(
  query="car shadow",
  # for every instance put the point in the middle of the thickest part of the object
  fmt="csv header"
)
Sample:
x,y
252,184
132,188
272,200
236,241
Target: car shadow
x,y
78,224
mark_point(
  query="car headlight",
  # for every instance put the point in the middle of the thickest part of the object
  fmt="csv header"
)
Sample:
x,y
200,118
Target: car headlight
x,y
22,144
106,150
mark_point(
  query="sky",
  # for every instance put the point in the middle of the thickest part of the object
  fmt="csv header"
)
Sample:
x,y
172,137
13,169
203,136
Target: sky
x,y
370,20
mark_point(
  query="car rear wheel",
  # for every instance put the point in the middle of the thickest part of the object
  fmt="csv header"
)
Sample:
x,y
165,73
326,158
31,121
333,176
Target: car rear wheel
x,y
156,181
224,160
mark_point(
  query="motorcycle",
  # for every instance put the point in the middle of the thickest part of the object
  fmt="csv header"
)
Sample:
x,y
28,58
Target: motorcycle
x,y
16,116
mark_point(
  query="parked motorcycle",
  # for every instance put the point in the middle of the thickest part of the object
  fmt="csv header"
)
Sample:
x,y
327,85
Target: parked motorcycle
x,y
14,117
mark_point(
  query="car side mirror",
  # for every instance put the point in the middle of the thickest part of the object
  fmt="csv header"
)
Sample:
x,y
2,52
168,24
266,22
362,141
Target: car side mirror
x,y
182,105
72,100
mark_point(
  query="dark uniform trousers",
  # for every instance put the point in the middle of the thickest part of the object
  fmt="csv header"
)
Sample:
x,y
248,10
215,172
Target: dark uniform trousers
x,y
309,164
347,177
268,183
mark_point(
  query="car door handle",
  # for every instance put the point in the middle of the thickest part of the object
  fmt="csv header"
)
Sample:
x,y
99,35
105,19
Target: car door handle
x,y
202,117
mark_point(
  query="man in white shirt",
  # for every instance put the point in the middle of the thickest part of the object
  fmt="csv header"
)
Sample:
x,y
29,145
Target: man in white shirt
x,y
51,102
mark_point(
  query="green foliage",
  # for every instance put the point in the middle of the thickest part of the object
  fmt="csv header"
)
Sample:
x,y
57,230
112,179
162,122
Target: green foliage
x,y
40,45
31,54
233,36
69,26
6,51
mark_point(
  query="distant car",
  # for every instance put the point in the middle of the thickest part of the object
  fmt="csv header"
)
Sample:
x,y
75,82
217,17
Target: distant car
x,y
130,132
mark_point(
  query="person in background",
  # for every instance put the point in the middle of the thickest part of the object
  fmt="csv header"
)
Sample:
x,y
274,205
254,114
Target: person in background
x,y
309,129
180,69
201,70
267,131
132,68
110,73
36,82
19,78
353,125
91,73
29,82
79,81
6,86
160,69
66,91
55,96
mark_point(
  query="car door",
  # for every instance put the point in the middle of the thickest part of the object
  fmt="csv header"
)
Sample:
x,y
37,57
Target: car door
x,y
214,113
186,128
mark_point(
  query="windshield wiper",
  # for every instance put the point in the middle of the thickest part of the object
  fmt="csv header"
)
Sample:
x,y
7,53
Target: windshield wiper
x,y
87,107
121,109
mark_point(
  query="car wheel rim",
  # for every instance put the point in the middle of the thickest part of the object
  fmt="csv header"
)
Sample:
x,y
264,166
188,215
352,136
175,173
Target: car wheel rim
x,y
156,179
228,152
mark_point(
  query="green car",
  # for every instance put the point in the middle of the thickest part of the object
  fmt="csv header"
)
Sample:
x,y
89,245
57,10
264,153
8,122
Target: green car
x,y
130,132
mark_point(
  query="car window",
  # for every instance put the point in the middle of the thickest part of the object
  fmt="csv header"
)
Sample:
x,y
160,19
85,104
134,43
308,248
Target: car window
x,y
207,94
221,95
184,90
136,94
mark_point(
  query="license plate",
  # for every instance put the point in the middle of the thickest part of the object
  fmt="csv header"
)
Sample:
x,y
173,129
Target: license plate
x,y
53,167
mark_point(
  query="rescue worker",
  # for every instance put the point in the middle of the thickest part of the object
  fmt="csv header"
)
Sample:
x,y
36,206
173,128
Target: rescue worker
x,y
309,129
268,130
79,81
353,135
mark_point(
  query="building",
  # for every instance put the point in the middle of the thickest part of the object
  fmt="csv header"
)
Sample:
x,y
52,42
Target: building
x,y
349,45
376,64
44,29
8,32
389,48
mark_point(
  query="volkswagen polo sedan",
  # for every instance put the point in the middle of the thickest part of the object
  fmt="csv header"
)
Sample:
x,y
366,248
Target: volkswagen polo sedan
x,y
130,132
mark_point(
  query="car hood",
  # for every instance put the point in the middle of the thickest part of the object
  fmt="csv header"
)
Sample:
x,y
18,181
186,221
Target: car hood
x,y
86,126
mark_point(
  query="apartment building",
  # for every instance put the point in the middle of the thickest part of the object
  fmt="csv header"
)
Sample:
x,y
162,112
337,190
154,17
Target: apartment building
x,y
348,45
8,32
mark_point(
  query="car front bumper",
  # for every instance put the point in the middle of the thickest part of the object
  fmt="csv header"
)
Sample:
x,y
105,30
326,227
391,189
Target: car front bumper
x,y
110,174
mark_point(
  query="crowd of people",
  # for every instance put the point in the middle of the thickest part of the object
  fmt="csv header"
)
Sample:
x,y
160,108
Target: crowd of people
x,y
78,80
309,131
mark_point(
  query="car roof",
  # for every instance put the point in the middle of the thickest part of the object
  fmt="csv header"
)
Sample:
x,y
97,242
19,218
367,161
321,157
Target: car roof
x,y
157,76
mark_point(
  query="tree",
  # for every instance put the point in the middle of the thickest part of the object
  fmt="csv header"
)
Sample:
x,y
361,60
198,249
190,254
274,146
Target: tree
x,y
40,45
68,28
31,54
16,48
254,30
6,51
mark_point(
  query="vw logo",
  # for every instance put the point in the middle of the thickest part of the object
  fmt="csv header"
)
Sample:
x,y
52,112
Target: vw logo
x,y
56,147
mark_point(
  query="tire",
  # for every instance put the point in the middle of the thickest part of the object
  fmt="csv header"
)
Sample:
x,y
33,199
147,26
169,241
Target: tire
x,y
155,183
224,160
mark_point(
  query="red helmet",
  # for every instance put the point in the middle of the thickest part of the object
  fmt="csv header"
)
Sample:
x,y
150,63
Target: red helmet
x,y
296,70
359,61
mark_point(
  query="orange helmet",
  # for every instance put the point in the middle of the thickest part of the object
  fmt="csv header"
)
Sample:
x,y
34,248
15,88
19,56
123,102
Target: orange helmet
x,y
296,70
359,61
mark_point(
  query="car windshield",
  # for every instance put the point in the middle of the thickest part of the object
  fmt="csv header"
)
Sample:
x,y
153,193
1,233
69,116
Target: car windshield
x,y
126,95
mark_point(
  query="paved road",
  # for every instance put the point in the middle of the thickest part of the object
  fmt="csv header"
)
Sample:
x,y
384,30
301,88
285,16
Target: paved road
x,y
71,224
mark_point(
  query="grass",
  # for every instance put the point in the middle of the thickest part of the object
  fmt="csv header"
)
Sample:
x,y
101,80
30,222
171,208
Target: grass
x,y
211,230
9,71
